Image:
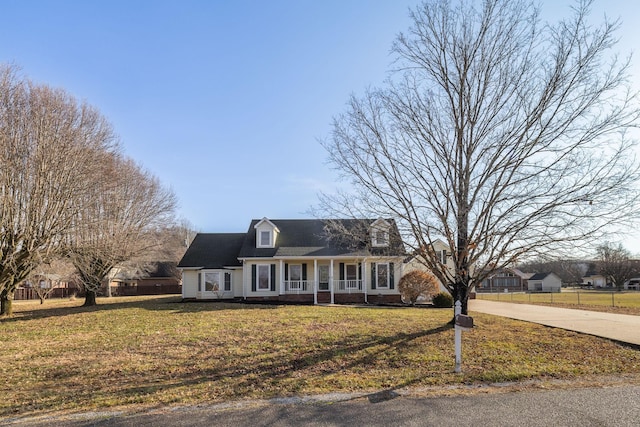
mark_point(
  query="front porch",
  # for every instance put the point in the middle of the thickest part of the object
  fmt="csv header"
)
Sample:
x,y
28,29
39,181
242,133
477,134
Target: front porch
x,y
322,280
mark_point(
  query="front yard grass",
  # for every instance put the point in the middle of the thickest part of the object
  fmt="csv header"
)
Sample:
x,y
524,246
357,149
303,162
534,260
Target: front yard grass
x,y
159,351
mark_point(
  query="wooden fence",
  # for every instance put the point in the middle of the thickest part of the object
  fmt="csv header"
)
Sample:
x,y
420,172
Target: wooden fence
x,y
30,293
155,289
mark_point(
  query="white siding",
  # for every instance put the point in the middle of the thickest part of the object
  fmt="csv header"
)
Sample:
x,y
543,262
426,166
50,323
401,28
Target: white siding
x,y
189,283
237,283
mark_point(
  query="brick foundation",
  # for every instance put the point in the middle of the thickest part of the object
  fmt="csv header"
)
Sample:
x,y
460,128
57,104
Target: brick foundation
x,y
348,298
384,299
270,298
297,298
325,298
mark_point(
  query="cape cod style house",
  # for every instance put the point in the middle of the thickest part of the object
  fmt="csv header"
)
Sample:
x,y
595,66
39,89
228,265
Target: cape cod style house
x,y
302,260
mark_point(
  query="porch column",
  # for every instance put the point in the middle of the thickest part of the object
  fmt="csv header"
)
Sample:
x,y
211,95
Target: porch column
x,y
316,277
282,288
245,277
364,280
331,281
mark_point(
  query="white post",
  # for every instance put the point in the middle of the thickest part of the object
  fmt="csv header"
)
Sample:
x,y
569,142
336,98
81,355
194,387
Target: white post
x,y
364,280
281,287
315,282
331,281
245,278
458,338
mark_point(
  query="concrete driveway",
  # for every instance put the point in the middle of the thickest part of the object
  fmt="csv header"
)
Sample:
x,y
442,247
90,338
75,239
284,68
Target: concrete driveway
x,y
618,327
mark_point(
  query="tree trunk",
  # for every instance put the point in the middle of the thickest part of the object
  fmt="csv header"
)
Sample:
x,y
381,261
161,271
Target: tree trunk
x,y
90,298
460,294
6,304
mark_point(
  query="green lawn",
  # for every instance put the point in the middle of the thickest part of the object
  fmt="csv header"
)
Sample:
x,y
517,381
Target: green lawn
x,y
159,351
614,301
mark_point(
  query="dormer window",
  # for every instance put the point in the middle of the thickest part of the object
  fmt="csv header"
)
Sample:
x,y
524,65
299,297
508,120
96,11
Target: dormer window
x,y
380,233
381,238
265,239
266,234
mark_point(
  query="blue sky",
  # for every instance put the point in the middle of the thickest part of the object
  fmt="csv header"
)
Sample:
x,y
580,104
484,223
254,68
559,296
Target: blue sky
x,y
224,101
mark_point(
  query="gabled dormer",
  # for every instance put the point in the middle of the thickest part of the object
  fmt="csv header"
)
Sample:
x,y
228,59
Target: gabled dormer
x,y
266,234
379,231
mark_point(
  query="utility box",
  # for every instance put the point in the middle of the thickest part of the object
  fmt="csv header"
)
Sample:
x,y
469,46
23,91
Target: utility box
x,y
463,321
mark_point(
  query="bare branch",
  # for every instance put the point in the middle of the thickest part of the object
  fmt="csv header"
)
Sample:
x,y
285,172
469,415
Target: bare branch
x,y
501,136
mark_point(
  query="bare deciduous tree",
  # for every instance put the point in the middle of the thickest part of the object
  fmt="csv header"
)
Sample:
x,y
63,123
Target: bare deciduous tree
x,y
118,222
615,263
174,239
498,134
48,145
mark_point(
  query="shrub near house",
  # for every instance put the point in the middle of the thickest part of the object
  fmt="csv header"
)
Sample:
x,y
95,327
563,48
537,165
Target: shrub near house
x,y
416,284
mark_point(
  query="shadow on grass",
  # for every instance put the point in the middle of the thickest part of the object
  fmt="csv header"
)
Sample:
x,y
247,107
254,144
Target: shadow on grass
x,y
172,303
247,375
273,371
162,303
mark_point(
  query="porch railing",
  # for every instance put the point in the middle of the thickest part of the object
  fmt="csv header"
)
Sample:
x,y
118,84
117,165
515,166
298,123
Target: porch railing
x,y
298,285
349,285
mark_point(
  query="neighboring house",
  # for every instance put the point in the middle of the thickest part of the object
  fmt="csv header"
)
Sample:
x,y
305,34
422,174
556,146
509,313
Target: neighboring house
x,y
544,282
154,278
632,284
297,260
593,279
507,279
442,253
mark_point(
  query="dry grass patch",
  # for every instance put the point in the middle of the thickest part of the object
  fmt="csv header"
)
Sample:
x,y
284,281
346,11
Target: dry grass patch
x,y
158,351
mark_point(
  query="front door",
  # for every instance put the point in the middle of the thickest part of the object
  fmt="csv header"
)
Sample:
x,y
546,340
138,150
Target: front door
x,y
323,278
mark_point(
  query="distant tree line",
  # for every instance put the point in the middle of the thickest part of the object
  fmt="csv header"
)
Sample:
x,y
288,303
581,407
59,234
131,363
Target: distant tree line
x,y
67,191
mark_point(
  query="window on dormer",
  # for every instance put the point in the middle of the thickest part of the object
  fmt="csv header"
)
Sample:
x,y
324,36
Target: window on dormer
x,y
265,239
381,238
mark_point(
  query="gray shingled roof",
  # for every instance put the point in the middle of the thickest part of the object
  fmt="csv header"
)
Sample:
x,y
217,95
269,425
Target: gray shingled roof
x,y
213,250
297,237
308,237
539,276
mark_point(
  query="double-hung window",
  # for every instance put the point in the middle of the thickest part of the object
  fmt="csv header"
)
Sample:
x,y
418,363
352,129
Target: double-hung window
x,y
382,275
381,238
227,281
265,239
